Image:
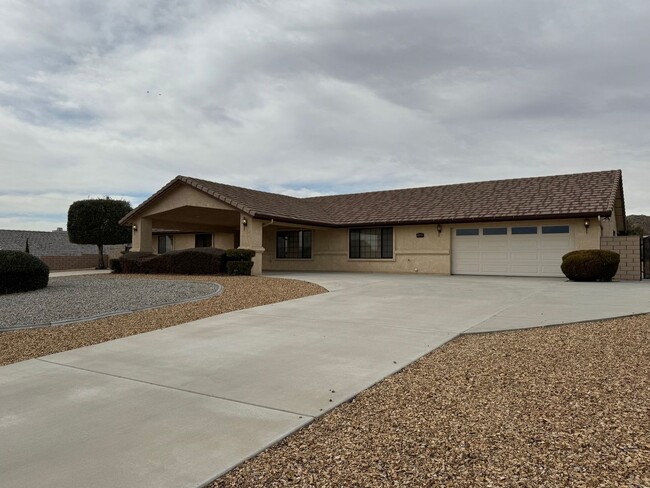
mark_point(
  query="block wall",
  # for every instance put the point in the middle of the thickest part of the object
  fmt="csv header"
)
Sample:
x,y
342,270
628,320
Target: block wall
x,y
84,261
629,248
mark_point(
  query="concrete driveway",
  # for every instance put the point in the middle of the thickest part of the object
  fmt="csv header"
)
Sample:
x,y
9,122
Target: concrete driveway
x,y
179,406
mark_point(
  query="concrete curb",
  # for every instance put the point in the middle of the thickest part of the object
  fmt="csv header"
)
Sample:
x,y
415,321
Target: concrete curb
x,y
216,293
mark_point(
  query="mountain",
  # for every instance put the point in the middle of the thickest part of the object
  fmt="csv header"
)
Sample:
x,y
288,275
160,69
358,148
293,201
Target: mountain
x,y
638,224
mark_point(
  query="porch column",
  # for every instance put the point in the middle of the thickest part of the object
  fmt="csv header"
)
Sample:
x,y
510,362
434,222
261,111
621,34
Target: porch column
x,y
250,237
141,236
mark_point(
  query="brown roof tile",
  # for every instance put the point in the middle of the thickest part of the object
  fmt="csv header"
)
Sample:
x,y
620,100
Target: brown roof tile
x,y
581,194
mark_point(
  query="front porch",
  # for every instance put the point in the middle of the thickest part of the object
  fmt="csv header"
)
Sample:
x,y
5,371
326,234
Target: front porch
x,y
186,219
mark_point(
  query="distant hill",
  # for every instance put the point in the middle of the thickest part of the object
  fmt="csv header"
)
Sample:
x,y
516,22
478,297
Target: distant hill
x,y
638,224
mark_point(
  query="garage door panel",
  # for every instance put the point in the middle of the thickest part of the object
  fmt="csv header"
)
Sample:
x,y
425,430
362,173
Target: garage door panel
x,y
511,255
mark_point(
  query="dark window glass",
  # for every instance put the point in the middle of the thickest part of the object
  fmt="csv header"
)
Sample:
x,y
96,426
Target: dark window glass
x,y
202,240
375,243
555,229
165,243
293,244
495,231
524,230
466,232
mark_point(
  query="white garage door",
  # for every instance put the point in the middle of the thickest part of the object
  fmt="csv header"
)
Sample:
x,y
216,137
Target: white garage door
x,y
510,250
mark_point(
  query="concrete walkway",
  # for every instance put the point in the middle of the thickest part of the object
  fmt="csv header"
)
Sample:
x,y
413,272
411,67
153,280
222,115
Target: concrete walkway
x,y
179,406
79,272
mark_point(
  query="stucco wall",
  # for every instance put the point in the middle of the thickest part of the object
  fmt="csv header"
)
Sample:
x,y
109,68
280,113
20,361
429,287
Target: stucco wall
x,y
187,241
629,248
430,254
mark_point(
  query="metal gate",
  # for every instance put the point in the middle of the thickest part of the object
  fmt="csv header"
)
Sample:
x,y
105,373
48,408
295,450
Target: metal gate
x,y
645,251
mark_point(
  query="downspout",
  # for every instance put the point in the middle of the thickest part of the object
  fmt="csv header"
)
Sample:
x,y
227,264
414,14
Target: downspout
x,y
267,224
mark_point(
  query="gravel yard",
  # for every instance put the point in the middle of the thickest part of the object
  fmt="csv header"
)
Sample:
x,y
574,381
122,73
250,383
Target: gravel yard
x,y
71,298
546,407
239,292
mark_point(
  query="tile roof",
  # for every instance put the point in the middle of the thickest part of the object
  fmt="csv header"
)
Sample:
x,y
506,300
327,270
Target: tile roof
x,y
572,195
55,243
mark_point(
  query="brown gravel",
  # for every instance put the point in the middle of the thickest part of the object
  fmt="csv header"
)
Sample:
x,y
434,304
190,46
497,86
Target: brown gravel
x,y
239,292
549,407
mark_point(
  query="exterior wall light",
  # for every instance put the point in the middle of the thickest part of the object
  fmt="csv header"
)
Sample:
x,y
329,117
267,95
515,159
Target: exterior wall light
x,y
586,225
244,222
135,228
439,230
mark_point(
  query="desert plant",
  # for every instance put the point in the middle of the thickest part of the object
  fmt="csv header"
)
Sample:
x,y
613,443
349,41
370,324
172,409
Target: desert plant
x,y
21,272
96,221
590,265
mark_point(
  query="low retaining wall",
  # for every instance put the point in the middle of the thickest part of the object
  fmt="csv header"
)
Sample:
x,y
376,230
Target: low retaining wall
x,y
629,248
83,261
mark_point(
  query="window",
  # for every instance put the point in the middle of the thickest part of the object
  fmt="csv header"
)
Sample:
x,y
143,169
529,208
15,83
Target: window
x,y
555,229
524,230
466,232
202,240
376,243
293,244
495,231
165,243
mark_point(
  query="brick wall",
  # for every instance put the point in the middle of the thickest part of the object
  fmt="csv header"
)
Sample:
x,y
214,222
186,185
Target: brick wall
x,y
629,248
60,263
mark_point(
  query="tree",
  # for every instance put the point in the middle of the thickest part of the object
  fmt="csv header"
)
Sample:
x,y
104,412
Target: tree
x,y
27,245
96,221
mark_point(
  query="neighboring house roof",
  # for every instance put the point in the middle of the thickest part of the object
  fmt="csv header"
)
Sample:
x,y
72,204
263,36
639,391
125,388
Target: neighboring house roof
x,y
562,196
55,243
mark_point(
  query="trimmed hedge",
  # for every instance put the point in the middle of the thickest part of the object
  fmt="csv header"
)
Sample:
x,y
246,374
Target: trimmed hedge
x,y
187,261
20,272
239,261
239,255
590,265
115,265
242,268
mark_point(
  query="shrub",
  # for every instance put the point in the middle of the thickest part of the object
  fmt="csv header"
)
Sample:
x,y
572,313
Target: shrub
x,y
239,261
242,268
590,265
239,255
21,272
186,261
195,261
115,265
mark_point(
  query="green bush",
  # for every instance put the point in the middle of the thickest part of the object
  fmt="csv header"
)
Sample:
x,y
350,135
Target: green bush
x,y
115,265
21,272
239,255
187,261
590,265
242,268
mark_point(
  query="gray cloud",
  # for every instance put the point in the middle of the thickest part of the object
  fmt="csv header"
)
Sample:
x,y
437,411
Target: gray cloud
x,y
315,97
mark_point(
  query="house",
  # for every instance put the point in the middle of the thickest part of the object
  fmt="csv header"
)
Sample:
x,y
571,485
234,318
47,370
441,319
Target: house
x,y
55,248
515,227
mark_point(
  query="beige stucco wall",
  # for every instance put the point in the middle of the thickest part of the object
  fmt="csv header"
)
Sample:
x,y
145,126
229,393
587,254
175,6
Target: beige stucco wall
x,y
182,195
187,241
430,254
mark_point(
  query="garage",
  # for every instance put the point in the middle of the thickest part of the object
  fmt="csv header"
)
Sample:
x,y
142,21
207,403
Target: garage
x,y
515,250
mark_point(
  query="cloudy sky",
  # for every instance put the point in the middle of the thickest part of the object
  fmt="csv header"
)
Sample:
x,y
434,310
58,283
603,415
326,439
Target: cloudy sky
x,y
304,98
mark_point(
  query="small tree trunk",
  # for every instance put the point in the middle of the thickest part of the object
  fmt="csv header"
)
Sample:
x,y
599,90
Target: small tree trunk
x,y
100,248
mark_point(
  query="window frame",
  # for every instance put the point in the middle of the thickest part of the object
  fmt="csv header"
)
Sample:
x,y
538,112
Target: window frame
x,y
555,229
203,234
171,243
386,239
301,248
